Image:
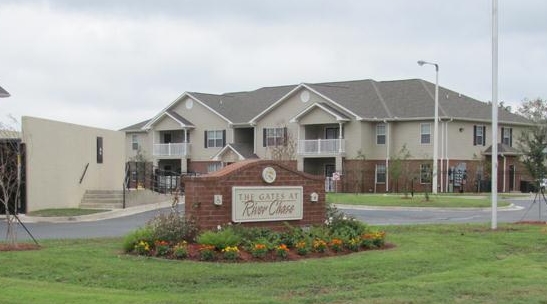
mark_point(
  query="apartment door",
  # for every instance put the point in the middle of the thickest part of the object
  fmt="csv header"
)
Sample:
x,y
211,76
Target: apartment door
x,y
332,133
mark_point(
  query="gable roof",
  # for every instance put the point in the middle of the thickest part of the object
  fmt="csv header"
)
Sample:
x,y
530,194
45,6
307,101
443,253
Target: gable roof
x,y
339,116
243,151
138,127
409,99
503,149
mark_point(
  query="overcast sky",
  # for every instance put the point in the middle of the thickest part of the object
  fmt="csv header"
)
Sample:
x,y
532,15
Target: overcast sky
x,y
111,64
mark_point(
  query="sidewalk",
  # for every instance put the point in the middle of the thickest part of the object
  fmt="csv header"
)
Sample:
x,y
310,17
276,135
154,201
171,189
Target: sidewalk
x,y
97,216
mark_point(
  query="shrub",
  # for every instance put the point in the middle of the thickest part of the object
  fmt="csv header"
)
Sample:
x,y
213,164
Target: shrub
x,y
251,236
230,253
219,239
172,227
207,252
319,245
142,248
180,250
162,248
343,226
134,237
282,251
353,244
336,244
259,250
302,248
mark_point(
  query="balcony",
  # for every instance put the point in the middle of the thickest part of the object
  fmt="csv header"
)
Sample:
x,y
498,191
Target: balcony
x,y
321,147
171,149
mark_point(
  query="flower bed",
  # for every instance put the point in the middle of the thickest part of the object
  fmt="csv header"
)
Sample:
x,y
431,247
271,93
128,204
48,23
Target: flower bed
x,y
232,243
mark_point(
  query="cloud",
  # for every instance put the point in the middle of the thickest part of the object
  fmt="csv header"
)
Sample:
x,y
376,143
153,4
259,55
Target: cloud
x,y
114,63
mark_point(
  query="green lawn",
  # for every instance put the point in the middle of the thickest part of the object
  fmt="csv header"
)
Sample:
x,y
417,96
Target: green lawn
x,y
418,200
430,264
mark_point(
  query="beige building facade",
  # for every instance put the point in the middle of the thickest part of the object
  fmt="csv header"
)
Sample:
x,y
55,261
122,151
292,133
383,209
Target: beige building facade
x,y
353,128
64,160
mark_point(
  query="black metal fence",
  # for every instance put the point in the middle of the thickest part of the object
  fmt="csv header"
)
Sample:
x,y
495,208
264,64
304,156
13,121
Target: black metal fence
x,y
143,175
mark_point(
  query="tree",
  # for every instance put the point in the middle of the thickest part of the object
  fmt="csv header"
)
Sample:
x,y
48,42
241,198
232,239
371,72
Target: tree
x,y
10,178
533,144
285,150
358,172
398,166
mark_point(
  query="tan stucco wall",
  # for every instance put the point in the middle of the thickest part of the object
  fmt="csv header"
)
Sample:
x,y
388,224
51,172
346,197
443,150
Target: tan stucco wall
x,y
57,154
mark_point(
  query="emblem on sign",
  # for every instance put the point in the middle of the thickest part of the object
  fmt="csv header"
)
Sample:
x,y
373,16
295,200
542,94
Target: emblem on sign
x,y
268,175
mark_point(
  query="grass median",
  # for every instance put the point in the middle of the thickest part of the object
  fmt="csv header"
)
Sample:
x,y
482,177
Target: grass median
x,y
430,264
418,200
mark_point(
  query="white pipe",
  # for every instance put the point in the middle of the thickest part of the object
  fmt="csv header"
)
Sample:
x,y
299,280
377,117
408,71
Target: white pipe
x,y
388,139
504,171
494,114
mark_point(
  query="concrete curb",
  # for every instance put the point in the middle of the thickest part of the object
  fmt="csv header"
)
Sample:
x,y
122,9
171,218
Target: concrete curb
x,y
116,213
144,208
511,207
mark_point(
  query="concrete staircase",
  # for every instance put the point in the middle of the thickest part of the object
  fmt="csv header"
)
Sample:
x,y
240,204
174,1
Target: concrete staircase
x,y
102,199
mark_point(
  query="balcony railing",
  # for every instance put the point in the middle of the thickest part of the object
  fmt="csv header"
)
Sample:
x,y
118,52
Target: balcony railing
x,y
171,149
321,146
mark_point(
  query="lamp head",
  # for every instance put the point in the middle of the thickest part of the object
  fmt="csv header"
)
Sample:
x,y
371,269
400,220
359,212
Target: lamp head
x,y
421,62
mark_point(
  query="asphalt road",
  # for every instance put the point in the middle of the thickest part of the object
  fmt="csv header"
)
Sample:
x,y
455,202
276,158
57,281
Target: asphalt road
x,y
525,209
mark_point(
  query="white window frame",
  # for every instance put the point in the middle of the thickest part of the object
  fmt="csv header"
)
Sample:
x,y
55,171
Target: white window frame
x,y
428,134
275,137
381,133
425,174
381,169
480,129
506,136
215,138
212,167
135,142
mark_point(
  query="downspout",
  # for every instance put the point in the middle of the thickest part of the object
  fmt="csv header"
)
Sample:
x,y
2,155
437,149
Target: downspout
x,y
443,130
447,182
340,138
254,137
504,170
388,139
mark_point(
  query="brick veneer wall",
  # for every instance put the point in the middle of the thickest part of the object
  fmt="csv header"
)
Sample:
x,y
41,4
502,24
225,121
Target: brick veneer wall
x,y
200,191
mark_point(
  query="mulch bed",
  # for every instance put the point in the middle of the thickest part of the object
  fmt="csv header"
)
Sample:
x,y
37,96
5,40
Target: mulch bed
x,y
246,257
19,247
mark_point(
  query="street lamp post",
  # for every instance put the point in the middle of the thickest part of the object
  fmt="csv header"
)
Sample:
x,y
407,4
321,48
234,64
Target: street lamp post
x,y
435,125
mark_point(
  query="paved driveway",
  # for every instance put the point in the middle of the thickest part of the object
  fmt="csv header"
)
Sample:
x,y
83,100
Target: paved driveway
x,y
523,209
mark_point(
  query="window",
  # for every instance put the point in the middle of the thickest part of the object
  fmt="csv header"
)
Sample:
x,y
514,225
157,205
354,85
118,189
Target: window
x,y
380,174
135,142
215,138
212,167
167,138
273,137
425,173
479,135
425,131
381,134
507,136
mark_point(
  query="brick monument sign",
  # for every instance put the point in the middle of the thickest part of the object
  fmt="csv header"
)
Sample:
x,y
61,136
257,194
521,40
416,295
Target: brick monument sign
x,y
255,193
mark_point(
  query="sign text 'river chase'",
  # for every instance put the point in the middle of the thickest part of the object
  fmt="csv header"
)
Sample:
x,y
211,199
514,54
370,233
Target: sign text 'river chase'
x,y
255,204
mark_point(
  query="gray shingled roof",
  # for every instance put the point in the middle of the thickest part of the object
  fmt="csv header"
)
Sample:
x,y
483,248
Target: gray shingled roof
x,y
241,107
503,149
180,118
136,127
409,99
245,149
